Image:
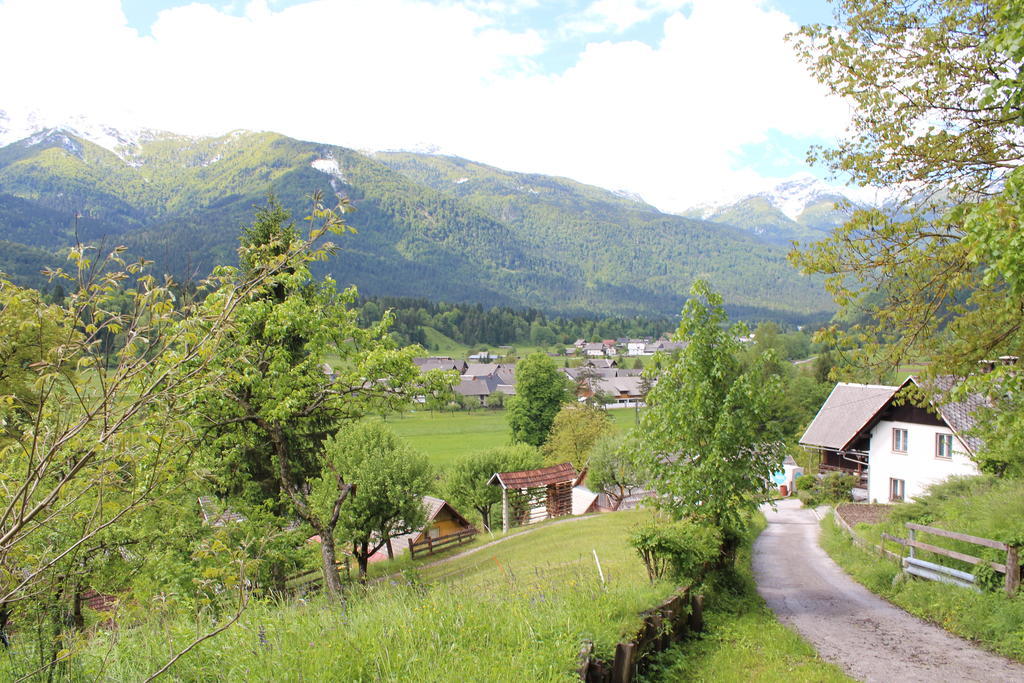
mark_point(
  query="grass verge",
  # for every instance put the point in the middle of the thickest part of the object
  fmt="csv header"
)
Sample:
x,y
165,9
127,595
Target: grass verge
x,y
742,640
992,619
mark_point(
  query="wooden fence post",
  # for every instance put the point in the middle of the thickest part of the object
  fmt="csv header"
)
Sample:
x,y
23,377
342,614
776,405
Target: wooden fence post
x,y
622,669
1012,570
584,658
912,534
696,613
504,510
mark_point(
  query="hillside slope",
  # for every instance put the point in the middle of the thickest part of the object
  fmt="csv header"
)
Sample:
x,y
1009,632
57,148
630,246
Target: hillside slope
x,y
436,227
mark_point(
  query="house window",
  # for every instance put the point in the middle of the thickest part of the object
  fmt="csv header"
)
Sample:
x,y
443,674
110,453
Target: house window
x,y
899,440
944,446
897,489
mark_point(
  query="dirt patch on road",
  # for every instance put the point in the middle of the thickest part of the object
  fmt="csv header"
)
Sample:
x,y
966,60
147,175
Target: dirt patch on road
x,y
868,513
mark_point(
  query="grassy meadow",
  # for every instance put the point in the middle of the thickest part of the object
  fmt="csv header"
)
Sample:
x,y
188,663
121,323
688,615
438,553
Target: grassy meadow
x,y
447,436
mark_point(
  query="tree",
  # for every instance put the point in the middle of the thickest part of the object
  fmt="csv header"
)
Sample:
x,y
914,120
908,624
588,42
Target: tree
x,y
934,86
390,479
466,482
612,468
706,437
266,404
574,432
91,417
540,392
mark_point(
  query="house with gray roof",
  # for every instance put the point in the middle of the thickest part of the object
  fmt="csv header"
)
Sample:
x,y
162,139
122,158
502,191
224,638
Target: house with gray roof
x,y
897,449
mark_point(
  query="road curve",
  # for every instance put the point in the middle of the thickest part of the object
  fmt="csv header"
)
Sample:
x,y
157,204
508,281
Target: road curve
x,y
868,637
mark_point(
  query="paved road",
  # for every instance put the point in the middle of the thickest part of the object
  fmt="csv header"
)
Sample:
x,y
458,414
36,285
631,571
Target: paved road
x,y
870,638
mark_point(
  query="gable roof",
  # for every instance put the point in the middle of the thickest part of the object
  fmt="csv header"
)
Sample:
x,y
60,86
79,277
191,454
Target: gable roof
x,y
215,514
433,507
958,415
525,479
851,409
480,369
846,411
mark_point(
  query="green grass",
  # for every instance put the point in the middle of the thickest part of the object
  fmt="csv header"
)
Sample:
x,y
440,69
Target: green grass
x,y
992,619
445,437
518,612
742,640
549,551
440,344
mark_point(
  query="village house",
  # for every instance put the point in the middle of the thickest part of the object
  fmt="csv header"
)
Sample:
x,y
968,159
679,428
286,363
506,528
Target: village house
x,y
481,380
637,347
896,449
442,520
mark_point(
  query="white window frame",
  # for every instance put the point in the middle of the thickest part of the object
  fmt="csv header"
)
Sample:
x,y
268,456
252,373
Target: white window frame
x,y
900,437
940,452
897,490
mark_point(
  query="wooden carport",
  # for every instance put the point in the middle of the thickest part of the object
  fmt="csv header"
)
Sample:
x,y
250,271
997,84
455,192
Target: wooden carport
x,y
548,489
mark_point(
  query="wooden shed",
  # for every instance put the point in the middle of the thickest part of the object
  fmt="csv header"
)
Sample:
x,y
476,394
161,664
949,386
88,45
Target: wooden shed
x,y
543,493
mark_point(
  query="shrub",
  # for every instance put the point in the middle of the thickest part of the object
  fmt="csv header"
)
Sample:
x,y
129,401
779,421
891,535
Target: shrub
x,y
834,487
681,551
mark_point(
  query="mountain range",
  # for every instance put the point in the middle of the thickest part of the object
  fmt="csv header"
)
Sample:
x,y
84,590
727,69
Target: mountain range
x,y
432,226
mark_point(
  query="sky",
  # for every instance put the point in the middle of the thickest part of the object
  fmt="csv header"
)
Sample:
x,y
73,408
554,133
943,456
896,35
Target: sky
x,y
680,101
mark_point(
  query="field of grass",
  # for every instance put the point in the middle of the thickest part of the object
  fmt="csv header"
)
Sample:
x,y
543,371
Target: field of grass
x,y
445,437
518,612
742,640
981,506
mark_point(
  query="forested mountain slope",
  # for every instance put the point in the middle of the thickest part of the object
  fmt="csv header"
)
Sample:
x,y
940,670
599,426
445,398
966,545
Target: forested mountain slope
x,y
427,226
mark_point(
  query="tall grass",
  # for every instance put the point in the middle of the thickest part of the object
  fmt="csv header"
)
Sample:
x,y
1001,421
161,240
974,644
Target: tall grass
x,y
517,613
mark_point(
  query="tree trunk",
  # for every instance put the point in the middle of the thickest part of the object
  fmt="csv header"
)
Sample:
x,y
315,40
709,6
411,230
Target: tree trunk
x,y
5,616
362,554
485,515
332,579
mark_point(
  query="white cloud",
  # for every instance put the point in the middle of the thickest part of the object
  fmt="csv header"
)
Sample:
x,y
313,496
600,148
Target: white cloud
x,y
619,15
664,121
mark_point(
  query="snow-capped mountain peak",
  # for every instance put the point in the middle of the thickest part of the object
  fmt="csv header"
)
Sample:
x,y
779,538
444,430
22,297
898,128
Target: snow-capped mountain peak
x,y
793,196
790,197
35,127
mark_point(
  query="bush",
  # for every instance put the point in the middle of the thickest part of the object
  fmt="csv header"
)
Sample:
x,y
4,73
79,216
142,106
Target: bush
x,y
833,488
681,551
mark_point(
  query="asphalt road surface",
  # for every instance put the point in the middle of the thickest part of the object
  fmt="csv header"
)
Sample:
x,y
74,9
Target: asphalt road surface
x,y
869,638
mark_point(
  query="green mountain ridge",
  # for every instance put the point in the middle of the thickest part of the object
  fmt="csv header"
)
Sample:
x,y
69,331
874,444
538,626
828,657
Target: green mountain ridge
x,y
427,226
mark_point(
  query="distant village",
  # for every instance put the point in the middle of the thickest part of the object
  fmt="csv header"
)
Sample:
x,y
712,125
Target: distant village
x,y
598,369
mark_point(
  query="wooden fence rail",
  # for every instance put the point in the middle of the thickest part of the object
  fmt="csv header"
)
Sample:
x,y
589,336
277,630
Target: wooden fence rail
x,y
918,567
313,577
432,545
668,623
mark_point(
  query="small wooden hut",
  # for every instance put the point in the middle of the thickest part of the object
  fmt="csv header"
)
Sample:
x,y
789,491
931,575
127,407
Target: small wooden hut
x,y
544,493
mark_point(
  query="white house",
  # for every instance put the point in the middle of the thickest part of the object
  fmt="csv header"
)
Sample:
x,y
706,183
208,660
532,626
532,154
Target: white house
x,y
636,347
901,448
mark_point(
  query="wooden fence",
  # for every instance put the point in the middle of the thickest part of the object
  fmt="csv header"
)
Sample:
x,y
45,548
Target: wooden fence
x,y
937,572
431,545
664,625
313,579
